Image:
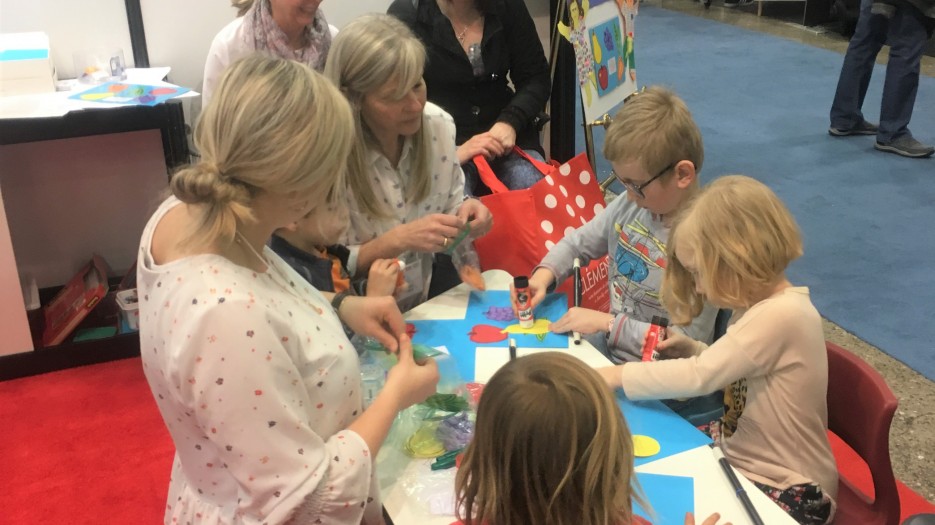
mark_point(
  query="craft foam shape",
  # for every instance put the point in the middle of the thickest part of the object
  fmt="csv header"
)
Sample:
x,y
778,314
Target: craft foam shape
x,y
645,446
652,418
541,326
455,334
669,496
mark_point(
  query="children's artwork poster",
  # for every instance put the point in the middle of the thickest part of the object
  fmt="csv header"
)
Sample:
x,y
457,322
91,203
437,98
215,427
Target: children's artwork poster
x,y
602,33
129,94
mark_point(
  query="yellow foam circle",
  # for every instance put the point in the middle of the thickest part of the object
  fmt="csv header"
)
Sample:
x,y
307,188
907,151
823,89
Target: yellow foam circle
x,y
645,446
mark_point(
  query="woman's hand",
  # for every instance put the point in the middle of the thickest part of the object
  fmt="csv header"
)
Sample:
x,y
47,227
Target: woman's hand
x,y
480,216
377,317
583,320
428,234
483,144
410,382
505,134
381,280
676,345
712,519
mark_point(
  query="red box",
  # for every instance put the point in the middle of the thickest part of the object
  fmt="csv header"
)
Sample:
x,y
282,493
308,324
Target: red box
x,y
73,302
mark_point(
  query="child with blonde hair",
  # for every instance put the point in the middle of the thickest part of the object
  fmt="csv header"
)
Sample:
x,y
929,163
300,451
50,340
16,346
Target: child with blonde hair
x,y
731,247
656,151
550,447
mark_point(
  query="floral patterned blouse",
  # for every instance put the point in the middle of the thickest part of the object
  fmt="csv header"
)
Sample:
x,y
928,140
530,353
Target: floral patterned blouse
x,y
257,383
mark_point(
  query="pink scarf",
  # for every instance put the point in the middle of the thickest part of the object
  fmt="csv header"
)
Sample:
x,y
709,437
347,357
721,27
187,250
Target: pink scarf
x,y
266,35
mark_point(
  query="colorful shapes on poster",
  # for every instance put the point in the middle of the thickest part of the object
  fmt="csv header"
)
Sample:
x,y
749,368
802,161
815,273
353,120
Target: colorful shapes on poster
x,y
645,446
500,313
485,333
129,94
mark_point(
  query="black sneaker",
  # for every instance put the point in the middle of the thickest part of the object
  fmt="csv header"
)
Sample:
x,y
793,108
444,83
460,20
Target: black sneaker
x,y
735,3
862,128
907,147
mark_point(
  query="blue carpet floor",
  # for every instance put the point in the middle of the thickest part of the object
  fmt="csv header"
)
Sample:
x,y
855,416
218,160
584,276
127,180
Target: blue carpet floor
x,y
867,217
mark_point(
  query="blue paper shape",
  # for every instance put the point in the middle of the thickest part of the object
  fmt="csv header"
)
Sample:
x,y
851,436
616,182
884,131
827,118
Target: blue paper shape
x,y
653,419
454,333
669,496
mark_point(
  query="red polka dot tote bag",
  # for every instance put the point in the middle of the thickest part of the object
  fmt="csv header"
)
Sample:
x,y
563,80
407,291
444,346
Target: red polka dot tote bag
x,y
528,223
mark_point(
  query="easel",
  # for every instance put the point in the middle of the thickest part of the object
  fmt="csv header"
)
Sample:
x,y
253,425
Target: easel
x,y
561,14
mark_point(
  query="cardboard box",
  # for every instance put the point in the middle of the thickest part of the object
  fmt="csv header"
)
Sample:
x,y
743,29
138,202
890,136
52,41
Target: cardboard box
x,y
25,64
73,302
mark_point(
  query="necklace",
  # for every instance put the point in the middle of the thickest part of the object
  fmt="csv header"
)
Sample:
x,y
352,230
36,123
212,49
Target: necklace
x,y
240,239
464,29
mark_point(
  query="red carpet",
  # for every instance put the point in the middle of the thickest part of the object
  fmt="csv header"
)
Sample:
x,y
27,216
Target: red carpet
x,y
87,445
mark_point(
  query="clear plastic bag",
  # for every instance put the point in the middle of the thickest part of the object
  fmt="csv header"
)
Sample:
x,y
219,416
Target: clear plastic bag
x,y
441,426
467,263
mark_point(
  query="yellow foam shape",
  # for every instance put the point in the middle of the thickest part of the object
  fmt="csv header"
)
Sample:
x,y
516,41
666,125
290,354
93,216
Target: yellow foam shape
x,y
96,96
645,446
539,327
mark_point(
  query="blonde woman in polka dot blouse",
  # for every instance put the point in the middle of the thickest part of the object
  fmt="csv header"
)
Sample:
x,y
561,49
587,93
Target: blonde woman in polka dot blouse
x,y
249,365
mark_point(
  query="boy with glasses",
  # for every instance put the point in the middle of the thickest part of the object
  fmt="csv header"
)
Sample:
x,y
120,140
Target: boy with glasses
x,y
656,150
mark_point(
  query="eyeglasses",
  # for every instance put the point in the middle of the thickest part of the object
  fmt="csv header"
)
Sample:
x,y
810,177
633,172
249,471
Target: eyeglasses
x,y
638,188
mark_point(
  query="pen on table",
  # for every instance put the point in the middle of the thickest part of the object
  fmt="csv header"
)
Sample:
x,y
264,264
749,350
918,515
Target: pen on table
x,y
512,349
735,484
576,334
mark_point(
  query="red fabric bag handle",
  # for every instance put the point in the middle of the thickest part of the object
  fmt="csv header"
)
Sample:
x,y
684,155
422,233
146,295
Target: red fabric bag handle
x,y
488,177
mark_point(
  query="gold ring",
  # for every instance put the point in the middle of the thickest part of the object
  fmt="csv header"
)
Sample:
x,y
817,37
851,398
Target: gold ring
x,y
445,242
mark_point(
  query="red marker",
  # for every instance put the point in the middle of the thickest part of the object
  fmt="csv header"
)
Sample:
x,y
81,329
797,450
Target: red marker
x,y
653,337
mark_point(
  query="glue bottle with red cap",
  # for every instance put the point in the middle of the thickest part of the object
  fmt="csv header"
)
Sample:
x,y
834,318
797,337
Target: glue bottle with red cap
x,y
523,302
655,334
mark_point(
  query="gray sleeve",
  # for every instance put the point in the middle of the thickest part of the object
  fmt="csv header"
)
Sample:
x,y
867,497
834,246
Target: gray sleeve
x,y
588,242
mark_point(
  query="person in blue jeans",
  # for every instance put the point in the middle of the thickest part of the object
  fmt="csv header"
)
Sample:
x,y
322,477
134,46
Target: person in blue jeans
x,y
907,25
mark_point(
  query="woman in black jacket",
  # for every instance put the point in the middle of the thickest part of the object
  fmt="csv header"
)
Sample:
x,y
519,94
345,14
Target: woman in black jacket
x,y
475,48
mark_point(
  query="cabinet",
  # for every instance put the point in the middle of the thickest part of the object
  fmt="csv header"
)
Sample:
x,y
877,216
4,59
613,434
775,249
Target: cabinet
x,y
123,144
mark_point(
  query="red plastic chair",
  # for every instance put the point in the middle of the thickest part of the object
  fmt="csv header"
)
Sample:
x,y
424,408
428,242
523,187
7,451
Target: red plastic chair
x,y
860,410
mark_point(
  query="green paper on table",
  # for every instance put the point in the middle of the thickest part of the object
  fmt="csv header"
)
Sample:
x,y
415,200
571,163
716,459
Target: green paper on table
x,y
420,352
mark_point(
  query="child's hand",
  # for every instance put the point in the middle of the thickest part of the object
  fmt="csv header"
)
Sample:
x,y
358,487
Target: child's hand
x,y
712,519
583,320
381,280
538,284
675,345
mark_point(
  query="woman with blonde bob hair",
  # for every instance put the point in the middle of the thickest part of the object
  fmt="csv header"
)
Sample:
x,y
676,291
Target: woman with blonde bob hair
x,y
406,183
731,247
244,358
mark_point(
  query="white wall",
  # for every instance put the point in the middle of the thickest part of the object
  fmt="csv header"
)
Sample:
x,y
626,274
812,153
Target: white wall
x,y
73,26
